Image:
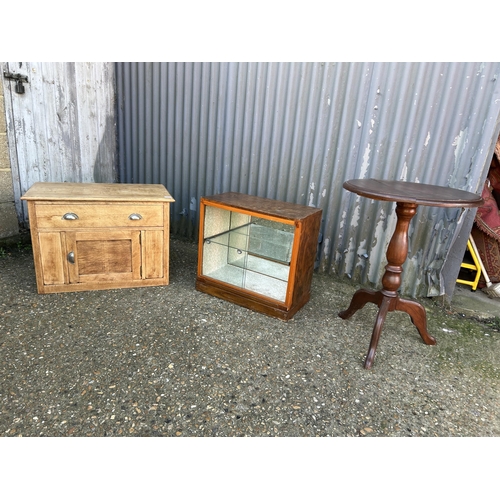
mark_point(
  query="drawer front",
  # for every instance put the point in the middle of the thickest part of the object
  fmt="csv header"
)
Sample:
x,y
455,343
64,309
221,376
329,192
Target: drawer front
x,y
95,215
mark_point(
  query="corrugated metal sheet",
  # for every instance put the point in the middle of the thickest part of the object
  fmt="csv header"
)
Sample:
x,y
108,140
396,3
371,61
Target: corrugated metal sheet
x,y
63,127
297,131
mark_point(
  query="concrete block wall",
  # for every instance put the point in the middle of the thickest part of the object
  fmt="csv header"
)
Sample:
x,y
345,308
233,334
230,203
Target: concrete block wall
x,y
9,225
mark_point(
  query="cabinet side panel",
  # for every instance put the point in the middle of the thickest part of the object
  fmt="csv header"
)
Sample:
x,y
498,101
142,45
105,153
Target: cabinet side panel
x,y
152,242
306,257
35,242
166,242
199,267
51,256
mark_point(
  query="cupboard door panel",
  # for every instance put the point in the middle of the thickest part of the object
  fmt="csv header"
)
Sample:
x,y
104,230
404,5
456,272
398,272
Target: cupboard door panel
x,y
104,255
52,258
152,254
99,257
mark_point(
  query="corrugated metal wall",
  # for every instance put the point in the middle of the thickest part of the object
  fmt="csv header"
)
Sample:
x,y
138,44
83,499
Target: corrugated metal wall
x,y
297,131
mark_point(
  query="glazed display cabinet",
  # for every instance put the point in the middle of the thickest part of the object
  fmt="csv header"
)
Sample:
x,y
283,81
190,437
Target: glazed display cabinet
x,y
257,252
93,236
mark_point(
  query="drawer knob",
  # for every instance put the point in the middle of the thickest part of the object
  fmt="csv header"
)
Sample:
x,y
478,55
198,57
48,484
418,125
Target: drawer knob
x,y
71,257
135,216
70,216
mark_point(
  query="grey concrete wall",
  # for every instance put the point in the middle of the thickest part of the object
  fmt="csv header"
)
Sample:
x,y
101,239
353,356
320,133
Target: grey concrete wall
x,y
9,225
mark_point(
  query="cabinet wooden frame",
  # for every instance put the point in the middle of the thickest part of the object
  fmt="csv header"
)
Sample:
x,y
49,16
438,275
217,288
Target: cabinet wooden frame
x,y
303,221
88,236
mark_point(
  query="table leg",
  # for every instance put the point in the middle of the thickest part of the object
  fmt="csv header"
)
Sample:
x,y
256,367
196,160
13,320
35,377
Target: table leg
x,y
387,299
358,301
384,307
418,317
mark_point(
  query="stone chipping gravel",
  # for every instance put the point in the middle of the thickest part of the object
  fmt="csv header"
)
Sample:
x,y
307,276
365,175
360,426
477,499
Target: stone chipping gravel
x,y
172,361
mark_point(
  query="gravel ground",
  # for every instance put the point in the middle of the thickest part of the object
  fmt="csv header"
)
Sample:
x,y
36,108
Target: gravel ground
x,y
172,361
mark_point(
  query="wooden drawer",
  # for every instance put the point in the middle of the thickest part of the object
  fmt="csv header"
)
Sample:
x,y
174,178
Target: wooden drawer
x,y
97,215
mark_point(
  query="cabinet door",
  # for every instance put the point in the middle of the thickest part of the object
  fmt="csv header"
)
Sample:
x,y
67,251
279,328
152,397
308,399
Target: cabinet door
x,y
152,242
113,255
51,255
247,251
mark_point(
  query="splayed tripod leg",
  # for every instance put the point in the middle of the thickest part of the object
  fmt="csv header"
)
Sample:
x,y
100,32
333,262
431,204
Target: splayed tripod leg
x,y
358,301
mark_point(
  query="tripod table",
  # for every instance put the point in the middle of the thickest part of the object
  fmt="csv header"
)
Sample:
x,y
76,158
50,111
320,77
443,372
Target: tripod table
x,y
407,195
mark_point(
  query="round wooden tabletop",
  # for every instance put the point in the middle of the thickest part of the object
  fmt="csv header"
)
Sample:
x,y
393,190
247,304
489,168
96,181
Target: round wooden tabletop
x,y
413,192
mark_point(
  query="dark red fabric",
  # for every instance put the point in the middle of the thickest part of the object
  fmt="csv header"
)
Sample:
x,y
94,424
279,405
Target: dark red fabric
x,y
486,229
487,217
494,178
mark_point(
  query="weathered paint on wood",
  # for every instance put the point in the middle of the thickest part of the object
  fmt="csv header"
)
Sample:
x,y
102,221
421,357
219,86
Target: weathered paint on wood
x,y
62,129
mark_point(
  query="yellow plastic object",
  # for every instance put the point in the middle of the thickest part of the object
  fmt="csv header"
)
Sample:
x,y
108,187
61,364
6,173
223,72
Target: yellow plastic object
x,y
474,267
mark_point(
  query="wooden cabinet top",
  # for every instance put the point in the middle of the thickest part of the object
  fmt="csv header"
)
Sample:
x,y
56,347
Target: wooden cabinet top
x,y
90,191
264,206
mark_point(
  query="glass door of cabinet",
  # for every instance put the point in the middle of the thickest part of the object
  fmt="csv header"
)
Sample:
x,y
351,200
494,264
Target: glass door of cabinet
x,y
249,252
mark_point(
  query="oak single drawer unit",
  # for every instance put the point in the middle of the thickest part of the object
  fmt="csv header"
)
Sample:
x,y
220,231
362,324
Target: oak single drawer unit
x,y
257,252
93,236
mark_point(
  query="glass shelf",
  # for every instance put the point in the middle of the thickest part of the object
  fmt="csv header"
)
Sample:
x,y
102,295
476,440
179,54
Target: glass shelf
x,y
273,242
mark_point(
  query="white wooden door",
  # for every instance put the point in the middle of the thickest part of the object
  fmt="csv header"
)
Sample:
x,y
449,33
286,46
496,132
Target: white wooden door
x,y
62,128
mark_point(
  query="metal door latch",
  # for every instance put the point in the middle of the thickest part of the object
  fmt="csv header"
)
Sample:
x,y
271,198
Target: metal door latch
x,y
19,79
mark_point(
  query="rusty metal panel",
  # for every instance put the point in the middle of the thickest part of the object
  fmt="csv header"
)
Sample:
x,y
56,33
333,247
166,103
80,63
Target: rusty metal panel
x,y
296,131
62,128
